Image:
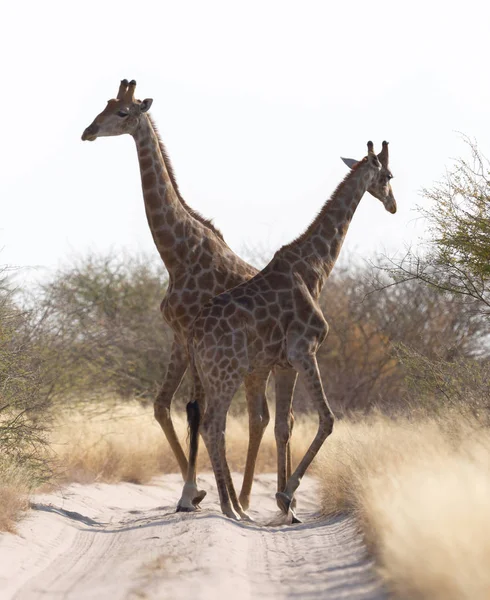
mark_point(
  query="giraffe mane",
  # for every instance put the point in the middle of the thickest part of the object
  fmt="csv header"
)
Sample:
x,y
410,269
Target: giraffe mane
x,y
321,213
206,222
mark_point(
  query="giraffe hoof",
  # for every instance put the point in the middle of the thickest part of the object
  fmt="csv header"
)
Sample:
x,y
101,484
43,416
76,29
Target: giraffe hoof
x,y
294,519
231,514
283,502
186,509
245,517
199,498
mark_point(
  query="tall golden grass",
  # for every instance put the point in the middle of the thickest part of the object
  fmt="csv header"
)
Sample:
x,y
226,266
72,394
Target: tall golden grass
x,y
125,443
421,491
14,486
114,442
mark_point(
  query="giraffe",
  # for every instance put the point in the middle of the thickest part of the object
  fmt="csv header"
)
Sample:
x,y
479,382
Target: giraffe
x,y
274,319
200,265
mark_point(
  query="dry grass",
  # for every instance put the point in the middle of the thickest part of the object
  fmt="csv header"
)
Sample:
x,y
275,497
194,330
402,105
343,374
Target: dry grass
x,y
13,496
421,491
125,443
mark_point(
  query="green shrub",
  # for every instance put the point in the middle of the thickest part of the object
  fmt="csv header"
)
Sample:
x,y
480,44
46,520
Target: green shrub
x,y
104,328
25,392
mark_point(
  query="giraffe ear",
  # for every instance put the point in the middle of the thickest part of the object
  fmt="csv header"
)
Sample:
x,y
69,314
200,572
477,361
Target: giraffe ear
x,y
146,104
350,162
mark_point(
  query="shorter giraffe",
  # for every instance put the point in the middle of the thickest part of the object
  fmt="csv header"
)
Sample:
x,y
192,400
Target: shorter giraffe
x,y
274,320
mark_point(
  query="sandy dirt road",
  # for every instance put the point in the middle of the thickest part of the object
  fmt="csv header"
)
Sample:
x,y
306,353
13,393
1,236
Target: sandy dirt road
x,y
124,541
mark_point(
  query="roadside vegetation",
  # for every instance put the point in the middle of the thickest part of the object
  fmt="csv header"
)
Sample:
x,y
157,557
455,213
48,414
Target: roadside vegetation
x,y
123,442
419,480
419,488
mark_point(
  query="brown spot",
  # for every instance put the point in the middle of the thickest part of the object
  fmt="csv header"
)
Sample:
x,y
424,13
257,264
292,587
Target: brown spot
x,y
262,327
146,163
166,238
274,310
206,280
220,279
149,179
180,310
261,313
280,281
187,297
181,250
153,200
157,220
270,297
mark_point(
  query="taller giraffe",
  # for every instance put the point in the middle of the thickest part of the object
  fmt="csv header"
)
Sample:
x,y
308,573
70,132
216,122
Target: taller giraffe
x,y
274,320
200,265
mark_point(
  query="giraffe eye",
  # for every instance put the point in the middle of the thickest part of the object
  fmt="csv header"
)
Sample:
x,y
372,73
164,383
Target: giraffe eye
x,y
121,113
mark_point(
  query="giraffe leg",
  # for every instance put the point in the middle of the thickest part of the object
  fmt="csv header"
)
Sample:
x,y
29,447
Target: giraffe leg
x,y
231,487
219,395
191,496
285,382
289,458
176,368
213,433
307,368
258,419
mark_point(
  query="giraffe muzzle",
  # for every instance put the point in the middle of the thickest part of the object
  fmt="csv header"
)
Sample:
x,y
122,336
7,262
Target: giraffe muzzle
x,y
391,207
90,133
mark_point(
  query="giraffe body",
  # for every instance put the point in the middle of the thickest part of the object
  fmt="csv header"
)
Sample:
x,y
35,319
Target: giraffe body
x,y
274,320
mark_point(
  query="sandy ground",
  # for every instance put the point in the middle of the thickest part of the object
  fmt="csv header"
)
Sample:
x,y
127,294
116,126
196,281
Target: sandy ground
x,y
125,541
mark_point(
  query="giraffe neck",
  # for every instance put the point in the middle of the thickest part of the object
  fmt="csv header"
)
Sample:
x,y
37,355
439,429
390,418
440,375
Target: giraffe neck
x,y
172,222
314,253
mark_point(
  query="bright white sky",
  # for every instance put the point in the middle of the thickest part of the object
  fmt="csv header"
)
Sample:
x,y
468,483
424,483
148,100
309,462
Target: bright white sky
x,y
255,102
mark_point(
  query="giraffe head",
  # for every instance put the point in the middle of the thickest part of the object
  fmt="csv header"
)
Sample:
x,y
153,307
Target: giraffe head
x,y
381,186
121,115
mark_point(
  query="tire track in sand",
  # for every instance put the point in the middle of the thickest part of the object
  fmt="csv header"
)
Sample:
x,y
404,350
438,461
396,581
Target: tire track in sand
x,y
125,542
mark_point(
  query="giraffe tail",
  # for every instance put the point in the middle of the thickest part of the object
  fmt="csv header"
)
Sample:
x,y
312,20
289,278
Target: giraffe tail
x,y
193,410
193,422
